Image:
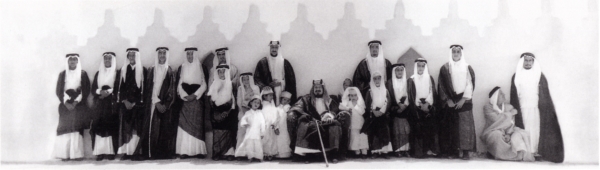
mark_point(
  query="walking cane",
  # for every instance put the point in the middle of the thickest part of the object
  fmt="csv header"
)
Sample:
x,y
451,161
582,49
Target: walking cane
x,y
322,146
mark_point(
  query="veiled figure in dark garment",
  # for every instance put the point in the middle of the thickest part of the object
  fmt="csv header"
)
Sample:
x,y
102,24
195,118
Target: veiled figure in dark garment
x,y
160,123
72,89
313,108
105,126
423,111
223,114
131,107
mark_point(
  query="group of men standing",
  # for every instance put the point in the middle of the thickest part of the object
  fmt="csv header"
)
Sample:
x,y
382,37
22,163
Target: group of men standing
x,y
160,112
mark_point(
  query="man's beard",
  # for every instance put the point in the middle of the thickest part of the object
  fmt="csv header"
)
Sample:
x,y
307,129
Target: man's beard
x,y
273,54
319,95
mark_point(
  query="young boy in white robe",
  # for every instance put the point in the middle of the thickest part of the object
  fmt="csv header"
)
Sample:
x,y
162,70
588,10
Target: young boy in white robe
x,y
283,139
245,92
271,115
253,123
353,103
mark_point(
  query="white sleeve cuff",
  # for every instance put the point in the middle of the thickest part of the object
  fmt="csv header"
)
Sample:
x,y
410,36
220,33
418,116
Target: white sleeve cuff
x,y
66,97
328,114
78,99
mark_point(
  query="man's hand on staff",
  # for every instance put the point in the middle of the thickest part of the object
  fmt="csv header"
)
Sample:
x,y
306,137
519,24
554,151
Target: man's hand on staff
x,y
327,119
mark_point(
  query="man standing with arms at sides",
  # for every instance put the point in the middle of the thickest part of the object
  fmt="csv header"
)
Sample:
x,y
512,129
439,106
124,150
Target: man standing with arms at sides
x,y
160,125
131,113
455,85
529,94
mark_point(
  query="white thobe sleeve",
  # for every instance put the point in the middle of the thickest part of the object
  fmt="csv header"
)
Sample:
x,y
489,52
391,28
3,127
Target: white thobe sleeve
x,y
468,94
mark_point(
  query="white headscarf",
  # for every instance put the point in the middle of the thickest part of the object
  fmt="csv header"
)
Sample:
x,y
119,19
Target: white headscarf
x,y
72,77
360,103
377,64
160,72
139,72
527,80
379,93
242,90
220,90
277,72
106,76
459,71
494,102
192,73
399,85
422,84
216,59
268,107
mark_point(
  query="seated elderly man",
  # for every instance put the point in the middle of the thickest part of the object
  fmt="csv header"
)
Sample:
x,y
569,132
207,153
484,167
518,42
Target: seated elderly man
x,y
317,108
502,138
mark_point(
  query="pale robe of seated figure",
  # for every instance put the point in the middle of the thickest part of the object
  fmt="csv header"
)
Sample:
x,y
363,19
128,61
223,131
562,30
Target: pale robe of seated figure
x,y
502,138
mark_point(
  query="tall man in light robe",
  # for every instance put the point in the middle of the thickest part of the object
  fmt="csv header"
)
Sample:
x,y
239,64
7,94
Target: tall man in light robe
x,y
529,94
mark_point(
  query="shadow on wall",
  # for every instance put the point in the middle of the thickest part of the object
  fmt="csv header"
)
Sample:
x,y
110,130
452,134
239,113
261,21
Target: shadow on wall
x,y
493,57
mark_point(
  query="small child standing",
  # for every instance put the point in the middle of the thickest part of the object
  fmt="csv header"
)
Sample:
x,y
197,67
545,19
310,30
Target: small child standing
x,y
353,103
271,115
283,139
253,123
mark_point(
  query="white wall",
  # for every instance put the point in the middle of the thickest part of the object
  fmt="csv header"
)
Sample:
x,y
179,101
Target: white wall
x,y
321,39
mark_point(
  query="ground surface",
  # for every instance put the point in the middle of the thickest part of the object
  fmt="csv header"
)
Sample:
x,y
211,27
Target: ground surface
x,y
393,163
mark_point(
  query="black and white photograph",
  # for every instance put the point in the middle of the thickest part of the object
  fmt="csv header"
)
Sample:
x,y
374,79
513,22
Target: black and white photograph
x,y
299,84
